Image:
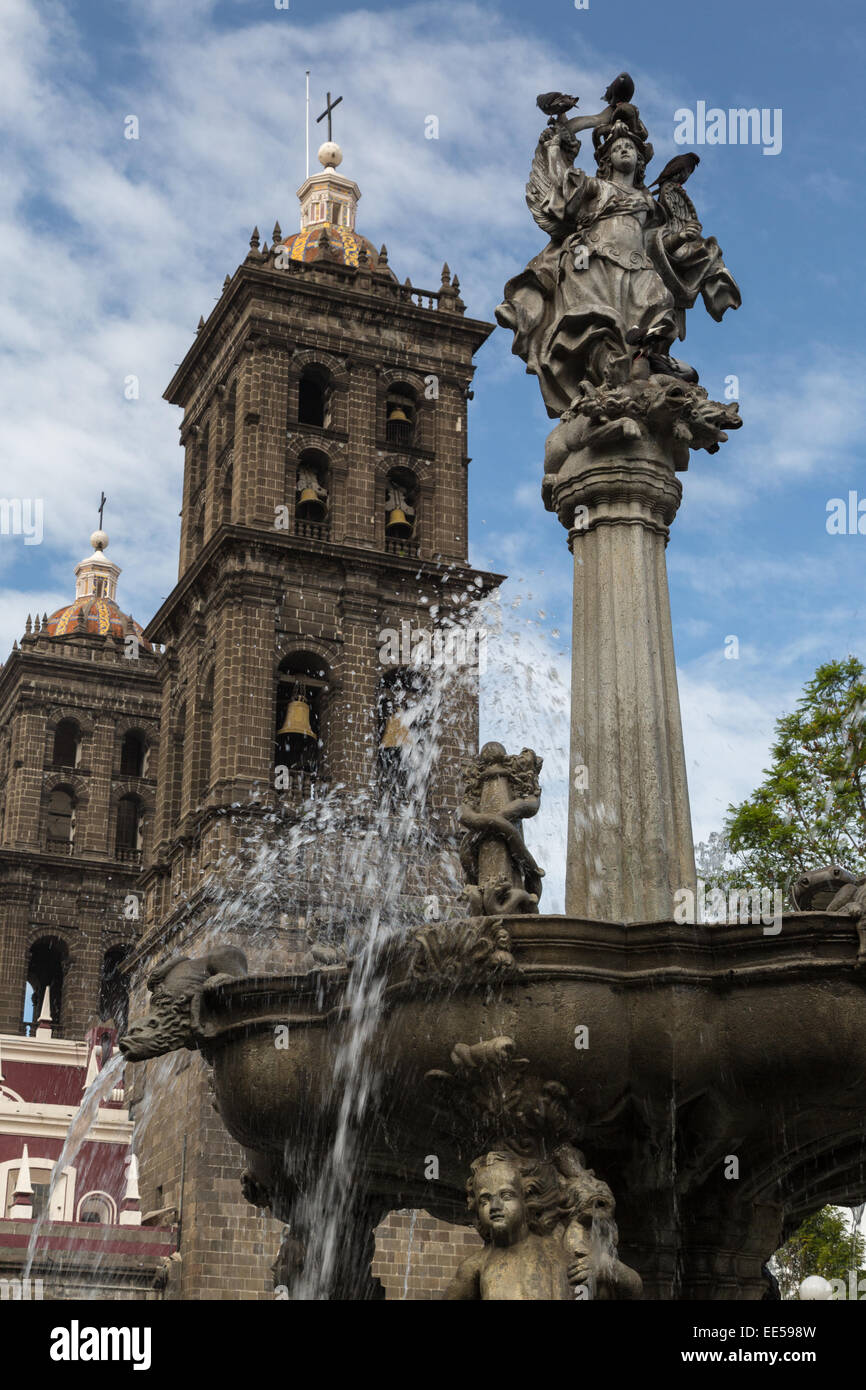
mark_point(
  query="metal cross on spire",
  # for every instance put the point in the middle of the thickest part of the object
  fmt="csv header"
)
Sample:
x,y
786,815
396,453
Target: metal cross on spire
x,y
102,501
327,112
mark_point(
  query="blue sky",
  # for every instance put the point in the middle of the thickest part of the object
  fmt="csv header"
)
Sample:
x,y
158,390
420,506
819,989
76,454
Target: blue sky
x,y
112,248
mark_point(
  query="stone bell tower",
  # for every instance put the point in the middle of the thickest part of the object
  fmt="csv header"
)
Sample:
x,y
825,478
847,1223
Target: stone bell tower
x,y
324,505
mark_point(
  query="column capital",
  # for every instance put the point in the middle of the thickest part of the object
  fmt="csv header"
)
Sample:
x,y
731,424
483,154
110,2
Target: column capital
x,y
622,446
629,489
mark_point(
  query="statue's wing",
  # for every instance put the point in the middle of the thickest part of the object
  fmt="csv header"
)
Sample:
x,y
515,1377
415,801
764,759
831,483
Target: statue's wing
x,y
678,207
550,159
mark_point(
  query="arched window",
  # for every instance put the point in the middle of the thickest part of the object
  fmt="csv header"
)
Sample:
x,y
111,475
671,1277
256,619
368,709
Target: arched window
x,y
67,744
97,1209
401,413
133,752
314,395
40,1180
113,990
127,839
61,821
301,707
47,963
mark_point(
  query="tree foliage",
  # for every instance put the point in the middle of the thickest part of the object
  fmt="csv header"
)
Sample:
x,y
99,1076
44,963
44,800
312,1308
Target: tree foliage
x,y
825,1245
810,809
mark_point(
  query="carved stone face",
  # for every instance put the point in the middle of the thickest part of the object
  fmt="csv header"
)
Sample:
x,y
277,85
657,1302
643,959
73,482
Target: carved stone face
x,y
623,156
501,1209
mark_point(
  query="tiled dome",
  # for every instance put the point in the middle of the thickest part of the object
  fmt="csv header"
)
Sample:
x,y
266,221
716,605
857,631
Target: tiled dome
x,y
345,244
99,616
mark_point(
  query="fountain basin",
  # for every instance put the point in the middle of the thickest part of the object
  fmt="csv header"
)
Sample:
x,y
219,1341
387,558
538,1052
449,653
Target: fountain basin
x,y
701,1043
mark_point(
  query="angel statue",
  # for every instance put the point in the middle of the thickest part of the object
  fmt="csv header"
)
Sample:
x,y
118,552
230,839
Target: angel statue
x,y
603,303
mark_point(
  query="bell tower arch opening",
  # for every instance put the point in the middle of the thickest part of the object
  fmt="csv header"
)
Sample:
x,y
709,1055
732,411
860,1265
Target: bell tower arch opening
x,y
67,744
398,689
61,821
314,396
401,505
47,965
301,706
113,989
312,487
401,411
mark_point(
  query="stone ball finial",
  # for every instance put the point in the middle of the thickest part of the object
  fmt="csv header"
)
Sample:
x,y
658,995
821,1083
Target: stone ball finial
x,y
99,540
330,154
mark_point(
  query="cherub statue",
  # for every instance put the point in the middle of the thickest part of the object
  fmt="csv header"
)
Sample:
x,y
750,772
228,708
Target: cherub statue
x,y
548,1231
606,298
500,791
516,1204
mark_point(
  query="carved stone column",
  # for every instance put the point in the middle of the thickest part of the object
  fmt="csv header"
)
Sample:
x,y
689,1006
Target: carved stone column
x,y
629,841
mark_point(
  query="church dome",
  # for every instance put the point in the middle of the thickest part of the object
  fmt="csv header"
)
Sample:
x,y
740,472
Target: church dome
x,y
345,245
101,617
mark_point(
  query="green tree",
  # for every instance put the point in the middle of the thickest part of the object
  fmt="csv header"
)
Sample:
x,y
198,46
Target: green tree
x,y
825,1244
810,809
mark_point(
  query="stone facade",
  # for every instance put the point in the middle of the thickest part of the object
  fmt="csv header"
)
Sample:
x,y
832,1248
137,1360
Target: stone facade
x,y
323,365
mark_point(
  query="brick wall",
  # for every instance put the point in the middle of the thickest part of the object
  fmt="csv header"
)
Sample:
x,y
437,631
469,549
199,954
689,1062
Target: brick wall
x,y
417,1256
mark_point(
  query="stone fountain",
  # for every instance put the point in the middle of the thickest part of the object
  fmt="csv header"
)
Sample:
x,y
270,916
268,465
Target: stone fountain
x,y
518,1070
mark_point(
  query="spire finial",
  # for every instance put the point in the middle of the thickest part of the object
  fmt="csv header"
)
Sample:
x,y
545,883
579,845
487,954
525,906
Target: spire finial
x,y
328,111
43,1022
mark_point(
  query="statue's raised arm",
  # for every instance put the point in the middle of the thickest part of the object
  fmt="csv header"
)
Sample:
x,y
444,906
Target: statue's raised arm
x,y
555,187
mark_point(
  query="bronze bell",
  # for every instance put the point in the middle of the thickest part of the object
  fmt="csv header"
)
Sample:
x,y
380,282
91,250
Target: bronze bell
x,y
398,524
398,413
395,734
297,720
310,506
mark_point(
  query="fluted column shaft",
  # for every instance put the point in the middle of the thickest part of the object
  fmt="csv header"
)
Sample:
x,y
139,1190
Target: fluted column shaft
x,y
630,841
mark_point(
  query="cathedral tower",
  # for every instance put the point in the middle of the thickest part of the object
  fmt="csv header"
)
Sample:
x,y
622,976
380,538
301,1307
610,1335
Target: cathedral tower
x,y
324,507
79,706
